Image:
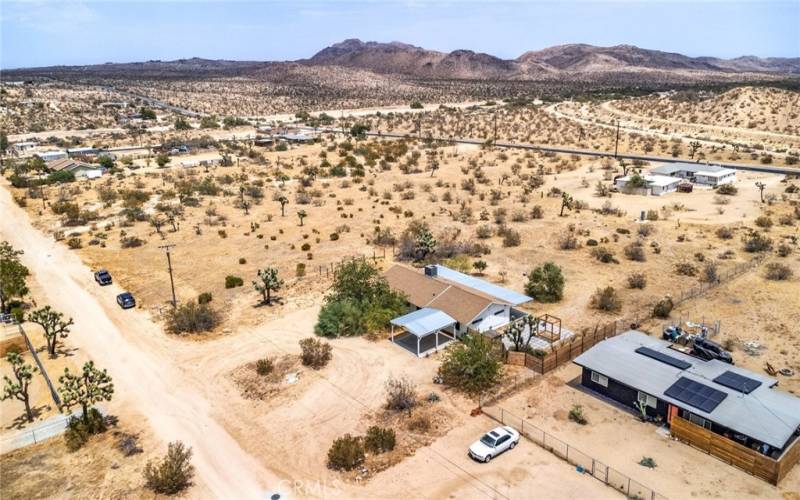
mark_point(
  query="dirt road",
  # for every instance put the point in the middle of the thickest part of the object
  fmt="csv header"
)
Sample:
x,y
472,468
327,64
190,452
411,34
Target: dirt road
x,y
138,357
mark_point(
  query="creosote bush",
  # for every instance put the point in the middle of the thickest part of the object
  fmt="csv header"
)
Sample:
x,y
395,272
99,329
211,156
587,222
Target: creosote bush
x,y
173,473
346,453
756,242
379,439
264,367
401,394
663,307
79,430
577,416
778,272
192,318
637,280
233,281
315,353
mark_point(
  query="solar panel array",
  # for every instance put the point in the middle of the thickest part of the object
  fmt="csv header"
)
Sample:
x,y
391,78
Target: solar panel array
x,y
664,358
737,382
695,394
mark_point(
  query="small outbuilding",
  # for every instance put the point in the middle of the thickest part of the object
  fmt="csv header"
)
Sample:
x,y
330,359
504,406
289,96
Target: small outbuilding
x,y
423,329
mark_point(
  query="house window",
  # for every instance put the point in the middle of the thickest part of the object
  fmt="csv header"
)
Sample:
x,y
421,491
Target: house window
x,y
647,399
599,379
691,417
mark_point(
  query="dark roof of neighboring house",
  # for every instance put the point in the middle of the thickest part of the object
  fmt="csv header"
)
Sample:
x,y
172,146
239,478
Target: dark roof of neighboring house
x,y
759,411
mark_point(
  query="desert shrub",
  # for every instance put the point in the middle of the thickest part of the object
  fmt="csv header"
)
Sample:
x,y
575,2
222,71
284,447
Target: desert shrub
x,y
622,230
305,247
635,251
192,318
663,307
204,298
591,242
724,233
784,250
334,236
420,424
648,462
606,299
379,439
173,473
763,222
604,255
130,242
484,231
300,269
74,243
401,394
128,444
264,367
233,281
568,241
545,283
637,280
242,260
710,273
728,189
537,212
756,242
645,230
79,429
315,353
686,268
472,365
346,453
778,272
577,416
511,238
652,215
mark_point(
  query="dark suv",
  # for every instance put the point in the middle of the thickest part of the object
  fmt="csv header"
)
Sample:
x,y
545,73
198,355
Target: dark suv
x,y
102,277
709,350
126,300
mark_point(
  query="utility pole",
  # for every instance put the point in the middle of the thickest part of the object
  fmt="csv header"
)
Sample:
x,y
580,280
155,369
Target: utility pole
x,y
171,280
419,128
495,128
616,142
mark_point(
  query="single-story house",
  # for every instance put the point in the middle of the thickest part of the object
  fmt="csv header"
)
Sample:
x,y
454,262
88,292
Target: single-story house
x,y
700,173
298,138
51,155
72,152
79,169
656,185
21,148
466,302
732,402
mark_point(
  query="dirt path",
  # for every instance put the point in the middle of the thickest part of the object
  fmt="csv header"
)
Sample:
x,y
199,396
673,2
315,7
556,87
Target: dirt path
x,y
139,358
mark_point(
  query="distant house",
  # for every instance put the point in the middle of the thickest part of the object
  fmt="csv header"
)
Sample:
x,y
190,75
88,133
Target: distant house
x,y
297,138
732,403
710,175
51,155
73,152
655,185
205,162
452,302
21,148
79,169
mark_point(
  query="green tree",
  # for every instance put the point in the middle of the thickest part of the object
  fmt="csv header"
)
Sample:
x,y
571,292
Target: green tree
x,y
209,122
546,283
13,275
162,160
18,389
106,161
147,113
636,181
480,266
269,282
85,389
472,365
302,214
182,124
53,326
3,141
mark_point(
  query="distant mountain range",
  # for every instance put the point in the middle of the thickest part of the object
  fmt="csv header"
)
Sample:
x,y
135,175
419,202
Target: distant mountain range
x,y
396,57
565,62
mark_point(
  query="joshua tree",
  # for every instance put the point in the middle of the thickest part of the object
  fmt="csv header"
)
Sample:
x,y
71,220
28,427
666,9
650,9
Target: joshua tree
x,y
693,147
761,186
283,201
566,202
85,389
53,325
301,215
269,282
18,389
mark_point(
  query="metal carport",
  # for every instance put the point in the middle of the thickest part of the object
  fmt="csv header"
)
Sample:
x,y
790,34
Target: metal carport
x,y
419,326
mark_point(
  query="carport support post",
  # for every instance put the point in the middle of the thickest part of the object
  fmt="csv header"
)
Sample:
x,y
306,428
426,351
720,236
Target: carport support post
x,y
392,333
417,346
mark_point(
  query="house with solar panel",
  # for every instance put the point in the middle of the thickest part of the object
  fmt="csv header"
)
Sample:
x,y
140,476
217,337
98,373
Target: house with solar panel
x,y
718,405
445,304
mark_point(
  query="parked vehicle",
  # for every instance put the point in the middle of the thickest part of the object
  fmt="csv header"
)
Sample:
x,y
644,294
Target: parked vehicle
x,y
708,350
102,277
126,300
493,443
